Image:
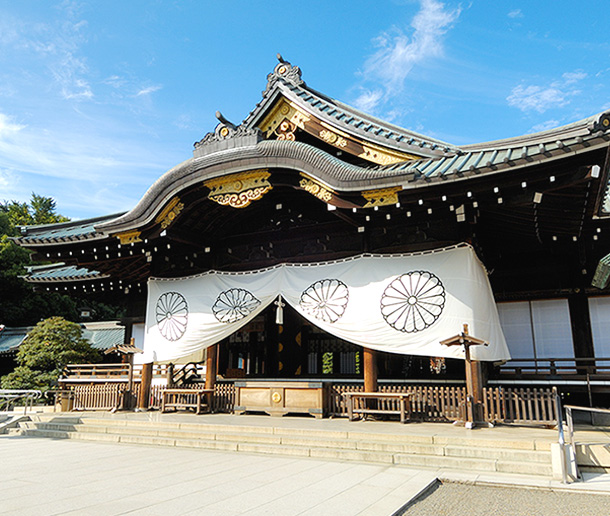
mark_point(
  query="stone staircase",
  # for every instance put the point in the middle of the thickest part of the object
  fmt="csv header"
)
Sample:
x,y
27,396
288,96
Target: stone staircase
x,y
530,457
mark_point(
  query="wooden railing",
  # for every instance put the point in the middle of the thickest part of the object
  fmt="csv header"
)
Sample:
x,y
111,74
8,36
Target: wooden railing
x,y
105,373
574,368
520,406
428,403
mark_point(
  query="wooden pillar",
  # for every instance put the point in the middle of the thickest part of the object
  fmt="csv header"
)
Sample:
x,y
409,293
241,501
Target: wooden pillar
x,y
146,381
370,370
211,370
129,403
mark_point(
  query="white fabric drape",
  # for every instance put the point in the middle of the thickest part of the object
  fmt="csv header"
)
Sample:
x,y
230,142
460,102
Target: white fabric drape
x,y
397,303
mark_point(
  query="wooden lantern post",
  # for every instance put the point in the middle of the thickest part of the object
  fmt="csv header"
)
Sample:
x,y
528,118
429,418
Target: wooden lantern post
x,y
474,379
126,352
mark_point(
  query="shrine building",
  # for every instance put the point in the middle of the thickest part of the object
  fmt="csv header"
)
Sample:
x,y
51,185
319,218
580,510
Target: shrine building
x,y
311,240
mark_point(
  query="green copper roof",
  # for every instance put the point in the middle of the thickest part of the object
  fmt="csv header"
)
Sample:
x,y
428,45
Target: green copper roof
x,y
64,232
102,335
59,272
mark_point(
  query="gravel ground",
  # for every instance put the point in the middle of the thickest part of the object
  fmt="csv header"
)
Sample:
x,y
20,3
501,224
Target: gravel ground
x,y
462,499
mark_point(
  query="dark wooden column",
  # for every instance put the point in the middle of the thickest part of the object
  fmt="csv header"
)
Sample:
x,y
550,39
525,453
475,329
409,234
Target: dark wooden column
x,y
580,319
211,370
144,395
370,370
211,366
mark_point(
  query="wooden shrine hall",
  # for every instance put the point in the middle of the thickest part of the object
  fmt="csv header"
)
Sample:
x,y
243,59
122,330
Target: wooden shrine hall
x,y
307,185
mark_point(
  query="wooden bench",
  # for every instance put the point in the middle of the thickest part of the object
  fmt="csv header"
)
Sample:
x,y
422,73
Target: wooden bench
x,y
357,403
187,398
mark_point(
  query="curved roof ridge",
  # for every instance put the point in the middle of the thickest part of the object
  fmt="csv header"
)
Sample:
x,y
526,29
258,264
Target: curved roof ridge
x,y
574,129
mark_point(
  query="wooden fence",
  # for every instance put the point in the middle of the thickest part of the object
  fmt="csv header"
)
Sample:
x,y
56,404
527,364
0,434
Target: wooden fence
x,y
428,403
520,406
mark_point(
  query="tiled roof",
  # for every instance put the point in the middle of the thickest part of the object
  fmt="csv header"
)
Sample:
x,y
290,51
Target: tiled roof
x,y
345,117
509,153
11,338
62,233
102,335
59,272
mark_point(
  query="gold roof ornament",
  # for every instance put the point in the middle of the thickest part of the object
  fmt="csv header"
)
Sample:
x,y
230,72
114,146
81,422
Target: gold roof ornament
x,y
315,189
239,190
381,197
170,212
129,237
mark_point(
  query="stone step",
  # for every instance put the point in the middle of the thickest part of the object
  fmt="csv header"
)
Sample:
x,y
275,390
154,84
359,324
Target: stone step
x,y
364,442
362,450
219,429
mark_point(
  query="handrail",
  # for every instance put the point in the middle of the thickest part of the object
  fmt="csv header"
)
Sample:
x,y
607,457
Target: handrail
x,y
8,398
561,437
570,421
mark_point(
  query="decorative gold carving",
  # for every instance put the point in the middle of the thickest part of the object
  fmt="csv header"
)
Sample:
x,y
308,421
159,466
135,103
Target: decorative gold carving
x,y
169,213
383,156
283,111
332,138
239,190
381,197
276,397
316,189
129,237
286,130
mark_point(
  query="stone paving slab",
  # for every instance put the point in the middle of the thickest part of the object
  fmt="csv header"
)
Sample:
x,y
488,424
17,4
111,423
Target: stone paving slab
x,y
52,477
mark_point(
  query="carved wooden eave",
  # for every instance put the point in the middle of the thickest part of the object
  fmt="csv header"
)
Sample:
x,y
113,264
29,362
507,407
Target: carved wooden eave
x,y
381,197
239,190
169,213
129,237
316,189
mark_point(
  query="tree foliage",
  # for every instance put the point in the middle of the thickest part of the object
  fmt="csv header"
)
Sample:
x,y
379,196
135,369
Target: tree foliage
x,y
19,304
47,349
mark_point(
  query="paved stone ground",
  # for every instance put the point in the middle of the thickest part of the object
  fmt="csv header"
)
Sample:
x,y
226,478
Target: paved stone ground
x,y
46,477
475,500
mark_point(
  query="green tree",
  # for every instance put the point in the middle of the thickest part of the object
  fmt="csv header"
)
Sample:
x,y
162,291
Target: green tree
x,y
47,349
40,210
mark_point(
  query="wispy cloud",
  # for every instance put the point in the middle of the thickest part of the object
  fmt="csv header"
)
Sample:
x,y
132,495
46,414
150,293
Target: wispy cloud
x,y
545,126
539,98
515,13
148,90
400,50
7,127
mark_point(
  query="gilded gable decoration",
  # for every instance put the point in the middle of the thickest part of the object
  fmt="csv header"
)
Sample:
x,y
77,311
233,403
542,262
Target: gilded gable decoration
x,y
239,190
129,237
315,189
283,120
381,197
170,212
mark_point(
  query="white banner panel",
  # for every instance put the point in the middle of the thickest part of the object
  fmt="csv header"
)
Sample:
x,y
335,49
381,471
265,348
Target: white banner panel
x,y
397,303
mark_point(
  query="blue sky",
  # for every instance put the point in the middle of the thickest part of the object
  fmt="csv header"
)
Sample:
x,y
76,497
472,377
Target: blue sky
x,y
98,99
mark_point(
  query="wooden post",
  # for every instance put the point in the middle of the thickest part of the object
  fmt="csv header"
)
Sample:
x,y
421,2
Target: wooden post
x,y
147,370
370,370
211,370
130,378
